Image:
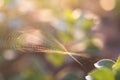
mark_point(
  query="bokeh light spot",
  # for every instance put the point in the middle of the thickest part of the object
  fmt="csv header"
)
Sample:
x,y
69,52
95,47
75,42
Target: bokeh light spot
x,y
108,5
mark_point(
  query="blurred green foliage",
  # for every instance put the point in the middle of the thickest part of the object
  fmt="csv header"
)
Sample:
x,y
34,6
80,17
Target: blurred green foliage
x,y
56,59
22,22
18,15
106,70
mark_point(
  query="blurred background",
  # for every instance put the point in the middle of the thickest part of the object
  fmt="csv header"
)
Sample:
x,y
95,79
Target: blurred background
x,y
56,39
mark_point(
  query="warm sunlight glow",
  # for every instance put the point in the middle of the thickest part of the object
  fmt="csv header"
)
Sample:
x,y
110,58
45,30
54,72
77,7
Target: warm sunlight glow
x,y
1,3
98,42
25,5
76,13
108,5
43,15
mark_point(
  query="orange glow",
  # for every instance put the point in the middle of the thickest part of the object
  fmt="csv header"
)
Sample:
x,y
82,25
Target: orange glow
x,y
25,6
1,3
107,5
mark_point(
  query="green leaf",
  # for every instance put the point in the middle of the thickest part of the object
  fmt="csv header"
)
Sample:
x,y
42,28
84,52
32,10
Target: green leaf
x,y
117,7
87,24
116,69
92,48
102,74
117,64
104,63
69,18
66,36
71,76
55,59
